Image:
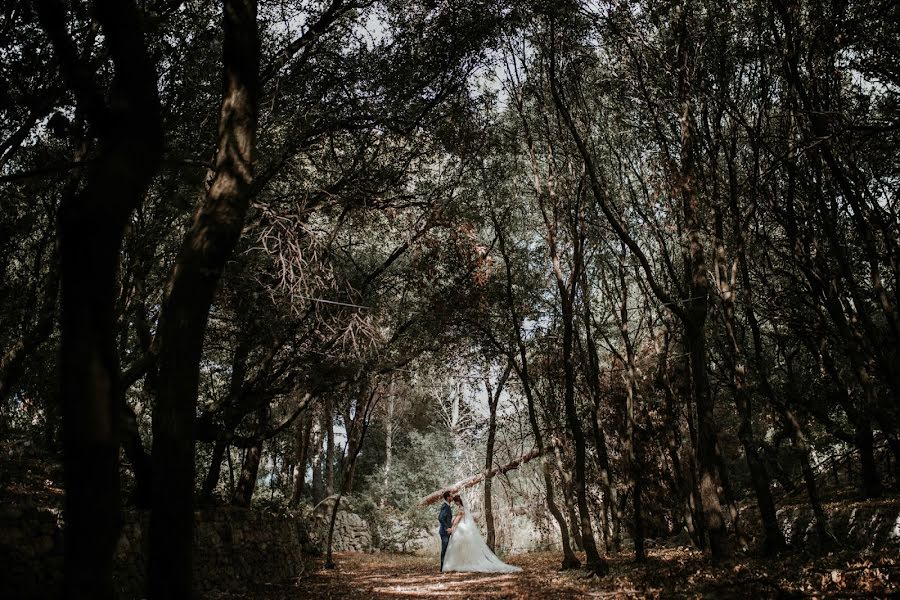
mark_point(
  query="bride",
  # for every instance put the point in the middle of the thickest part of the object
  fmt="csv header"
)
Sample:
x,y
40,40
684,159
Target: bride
x,y
467,550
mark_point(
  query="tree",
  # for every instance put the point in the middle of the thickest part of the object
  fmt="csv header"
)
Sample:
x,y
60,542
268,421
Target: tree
x,y
207,246
92,221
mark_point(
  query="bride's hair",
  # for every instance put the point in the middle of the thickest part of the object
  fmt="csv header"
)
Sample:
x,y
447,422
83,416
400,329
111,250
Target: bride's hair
x,y
458,499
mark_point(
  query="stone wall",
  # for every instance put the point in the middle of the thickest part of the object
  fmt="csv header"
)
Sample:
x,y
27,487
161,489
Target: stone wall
x,y
872,525
351,532
31,552
234,550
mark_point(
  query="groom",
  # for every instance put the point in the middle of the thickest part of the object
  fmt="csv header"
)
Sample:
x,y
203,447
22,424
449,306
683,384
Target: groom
x,y
445,518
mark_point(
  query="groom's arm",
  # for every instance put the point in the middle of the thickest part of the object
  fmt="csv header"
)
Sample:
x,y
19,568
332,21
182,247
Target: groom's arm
x,y
445,517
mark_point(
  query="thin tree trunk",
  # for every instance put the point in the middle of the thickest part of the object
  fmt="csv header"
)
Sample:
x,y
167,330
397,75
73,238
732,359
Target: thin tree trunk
x,y
683,488
141,463
774,538
389,434
729,498
608,513
231,485
863,436
567,290
569,559
356,433
246,483
304,432
789,420
185,308
632,449
235,386
865,444
275,475
493,399
328,428
215,467
610,522
594,561
568,493
317,491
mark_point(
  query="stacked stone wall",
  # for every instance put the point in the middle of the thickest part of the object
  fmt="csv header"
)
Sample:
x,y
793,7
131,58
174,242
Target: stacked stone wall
x,y
234,550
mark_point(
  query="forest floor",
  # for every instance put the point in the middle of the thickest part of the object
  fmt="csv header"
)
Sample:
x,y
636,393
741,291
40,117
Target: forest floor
x,y
668,573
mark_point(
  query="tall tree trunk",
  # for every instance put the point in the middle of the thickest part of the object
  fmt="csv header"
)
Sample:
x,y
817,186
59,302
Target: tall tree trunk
x,y
231,485
302,448
391,425
317,485
594,561
389,435
185,308
697,304
328,428
686,490
865,444
774,538
356,434
788,419
568,494
91,226
570,561
246,483
632,449
141,463
632,452
693,313
608,514
609,517
235,386
493,400
211,481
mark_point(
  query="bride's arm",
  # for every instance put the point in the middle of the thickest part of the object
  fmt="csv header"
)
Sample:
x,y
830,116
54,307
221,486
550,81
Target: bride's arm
x,y
456,520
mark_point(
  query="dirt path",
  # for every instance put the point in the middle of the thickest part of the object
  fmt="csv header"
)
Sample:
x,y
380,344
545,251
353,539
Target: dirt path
x,y
378,577
669,573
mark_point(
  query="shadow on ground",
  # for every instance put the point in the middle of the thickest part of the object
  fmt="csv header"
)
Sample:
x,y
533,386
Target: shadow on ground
x,y
669,573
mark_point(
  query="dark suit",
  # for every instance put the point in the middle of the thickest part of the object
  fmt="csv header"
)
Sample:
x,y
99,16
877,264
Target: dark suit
x,y
445,518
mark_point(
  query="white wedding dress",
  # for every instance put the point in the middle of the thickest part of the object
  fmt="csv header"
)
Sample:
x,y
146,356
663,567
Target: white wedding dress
x,y
467,551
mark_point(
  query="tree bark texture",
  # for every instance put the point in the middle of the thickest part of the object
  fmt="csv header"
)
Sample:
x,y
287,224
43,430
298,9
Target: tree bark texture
x,y
189,295
91,224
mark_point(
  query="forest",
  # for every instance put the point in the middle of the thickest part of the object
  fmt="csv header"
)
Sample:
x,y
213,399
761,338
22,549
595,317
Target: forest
x,y
278,273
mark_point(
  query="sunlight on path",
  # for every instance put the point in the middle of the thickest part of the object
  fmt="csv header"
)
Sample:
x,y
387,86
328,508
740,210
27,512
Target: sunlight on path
x,y
379,577
668,573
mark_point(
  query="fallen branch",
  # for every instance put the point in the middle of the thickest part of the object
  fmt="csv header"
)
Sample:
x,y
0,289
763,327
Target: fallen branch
x,y
475,479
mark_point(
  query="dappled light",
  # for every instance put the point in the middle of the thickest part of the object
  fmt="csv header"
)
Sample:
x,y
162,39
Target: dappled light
x,y
382,299
667,573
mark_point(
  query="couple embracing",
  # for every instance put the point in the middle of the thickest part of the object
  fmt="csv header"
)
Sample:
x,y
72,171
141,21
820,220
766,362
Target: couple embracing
x,y
462,547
